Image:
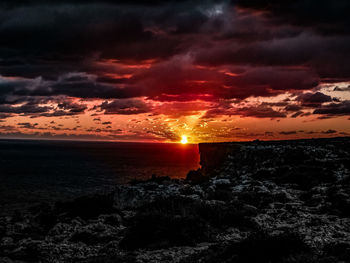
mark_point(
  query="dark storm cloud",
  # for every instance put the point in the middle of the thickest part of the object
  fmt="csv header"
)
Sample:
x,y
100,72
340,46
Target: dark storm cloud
x,y
125,107
69,30
342,108
260,111
74,34
179,76
313,99
293,107
325,16
7,87
326,56
78,85
72,107
196,50
35,39
83,90
24,109
32,97
328,20
289,51
16,3
65,108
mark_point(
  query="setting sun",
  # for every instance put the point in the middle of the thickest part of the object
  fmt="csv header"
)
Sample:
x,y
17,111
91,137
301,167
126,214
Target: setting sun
x,y
184,139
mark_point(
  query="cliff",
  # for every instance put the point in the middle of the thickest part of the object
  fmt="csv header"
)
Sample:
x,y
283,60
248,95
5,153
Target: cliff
x,y
305,162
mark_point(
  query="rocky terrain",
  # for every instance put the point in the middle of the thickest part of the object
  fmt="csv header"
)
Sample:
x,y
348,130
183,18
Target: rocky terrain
x,y
286,201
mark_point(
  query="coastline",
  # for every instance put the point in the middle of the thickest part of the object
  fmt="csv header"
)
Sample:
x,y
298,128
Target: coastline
x,y
249,202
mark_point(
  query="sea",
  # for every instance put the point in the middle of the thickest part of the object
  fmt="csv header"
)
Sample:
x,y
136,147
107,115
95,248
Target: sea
x,y
35,171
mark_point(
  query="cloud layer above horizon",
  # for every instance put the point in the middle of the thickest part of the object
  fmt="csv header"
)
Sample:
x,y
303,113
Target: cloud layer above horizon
x,y
155,70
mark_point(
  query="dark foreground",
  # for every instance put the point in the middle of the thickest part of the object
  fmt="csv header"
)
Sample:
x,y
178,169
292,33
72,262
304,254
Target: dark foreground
x,y
250,202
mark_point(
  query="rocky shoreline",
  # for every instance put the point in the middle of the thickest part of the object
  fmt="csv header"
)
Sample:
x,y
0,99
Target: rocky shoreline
x,y
285,201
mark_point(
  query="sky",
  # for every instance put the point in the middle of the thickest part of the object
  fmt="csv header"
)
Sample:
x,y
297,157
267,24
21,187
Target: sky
x,y
154,71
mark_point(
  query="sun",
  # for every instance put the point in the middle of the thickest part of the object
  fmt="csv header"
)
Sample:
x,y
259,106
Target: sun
x,y
184,139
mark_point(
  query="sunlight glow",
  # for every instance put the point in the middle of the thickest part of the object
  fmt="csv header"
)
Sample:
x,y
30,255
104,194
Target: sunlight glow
x,y
184,139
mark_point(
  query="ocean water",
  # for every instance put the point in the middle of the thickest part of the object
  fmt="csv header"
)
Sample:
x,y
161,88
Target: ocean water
x,y
36,171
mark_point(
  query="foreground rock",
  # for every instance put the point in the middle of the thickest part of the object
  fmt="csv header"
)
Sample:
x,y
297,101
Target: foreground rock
x,y
250,202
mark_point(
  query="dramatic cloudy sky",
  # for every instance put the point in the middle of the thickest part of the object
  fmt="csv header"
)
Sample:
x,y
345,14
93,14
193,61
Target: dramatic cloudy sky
x,y
156,70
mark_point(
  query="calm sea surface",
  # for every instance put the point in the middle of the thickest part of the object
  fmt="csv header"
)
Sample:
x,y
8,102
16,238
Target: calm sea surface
x,y
35,171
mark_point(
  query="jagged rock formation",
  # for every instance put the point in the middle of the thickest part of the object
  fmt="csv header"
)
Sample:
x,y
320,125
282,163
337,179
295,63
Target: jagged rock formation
x,y
250,202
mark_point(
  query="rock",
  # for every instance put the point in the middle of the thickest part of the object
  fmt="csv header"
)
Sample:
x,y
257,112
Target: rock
x,y
258,247
43,217
113,219
222,182
196,177
154,179
339,198
306,177
87,207
220,194
195,191
61,231
5,260
28,251
339,250
90,237
156,231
